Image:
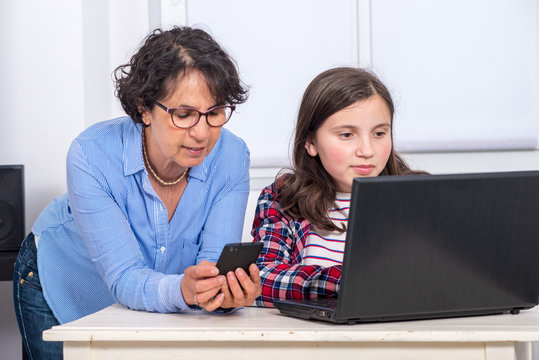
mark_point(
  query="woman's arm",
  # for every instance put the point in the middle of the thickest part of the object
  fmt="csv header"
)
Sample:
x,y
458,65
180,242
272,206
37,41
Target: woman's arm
x,y
283,276
112,245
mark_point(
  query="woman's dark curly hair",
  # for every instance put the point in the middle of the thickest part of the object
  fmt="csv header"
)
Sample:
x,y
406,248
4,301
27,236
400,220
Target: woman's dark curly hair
x,y
152,72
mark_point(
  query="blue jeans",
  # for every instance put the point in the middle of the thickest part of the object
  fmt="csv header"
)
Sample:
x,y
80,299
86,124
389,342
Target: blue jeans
x,y
32,311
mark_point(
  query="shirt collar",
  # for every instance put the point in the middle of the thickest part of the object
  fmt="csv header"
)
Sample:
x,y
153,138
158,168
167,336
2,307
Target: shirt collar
x,y
132,150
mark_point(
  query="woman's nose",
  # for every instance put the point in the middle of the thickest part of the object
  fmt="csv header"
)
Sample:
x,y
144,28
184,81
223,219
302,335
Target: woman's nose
x,y
201,130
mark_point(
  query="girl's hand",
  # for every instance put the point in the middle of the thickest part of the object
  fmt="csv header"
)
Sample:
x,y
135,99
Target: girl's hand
x,y
201,284
241,289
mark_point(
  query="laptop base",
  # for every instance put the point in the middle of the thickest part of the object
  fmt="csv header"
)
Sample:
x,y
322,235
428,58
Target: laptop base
x,y
307,310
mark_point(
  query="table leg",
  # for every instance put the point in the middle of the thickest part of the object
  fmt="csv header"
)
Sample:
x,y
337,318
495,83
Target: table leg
x,y
501,351
524,350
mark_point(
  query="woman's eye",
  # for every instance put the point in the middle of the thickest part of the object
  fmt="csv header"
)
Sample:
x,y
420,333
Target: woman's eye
x,y
217,112
379,133
183,114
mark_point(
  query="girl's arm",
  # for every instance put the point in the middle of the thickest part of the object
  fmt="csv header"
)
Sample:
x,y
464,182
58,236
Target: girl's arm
x,y
283,276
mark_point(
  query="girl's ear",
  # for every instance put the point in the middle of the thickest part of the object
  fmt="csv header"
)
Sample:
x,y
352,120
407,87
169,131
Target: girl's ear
x,y
144,113
310,147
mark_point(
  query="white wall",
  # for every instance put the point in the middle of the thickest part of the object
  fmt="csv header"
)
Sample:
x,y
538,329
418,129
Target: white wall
x,y
465,77
41,92
464,74
57,57
41,97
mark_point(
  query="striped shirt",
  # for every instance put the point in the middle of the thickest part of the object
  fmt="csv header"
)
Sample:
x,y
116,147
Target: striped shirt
x,y
326,248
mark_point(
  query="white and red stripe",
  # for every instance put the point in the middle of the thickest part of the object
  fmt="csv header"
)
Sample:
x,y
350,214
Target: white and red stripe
x,y
326,248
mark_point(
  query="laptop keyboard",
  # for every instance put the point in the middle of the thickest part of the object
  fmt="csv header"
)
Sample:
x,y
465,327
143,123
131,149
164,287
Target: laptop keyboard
x,y
325,302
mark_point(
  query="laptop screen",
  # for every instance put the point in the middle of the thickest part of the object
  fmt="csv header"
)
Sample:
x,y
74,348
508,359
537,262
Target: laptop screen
x,y
424,245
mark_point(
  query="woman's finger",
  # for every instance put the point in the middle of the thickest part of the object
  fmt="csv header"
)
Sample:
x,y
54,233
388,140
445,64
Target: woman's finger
x,y
235,288
206,263
215,303
199,279
254,272
226,291
203,285
245,282
202,270
204,298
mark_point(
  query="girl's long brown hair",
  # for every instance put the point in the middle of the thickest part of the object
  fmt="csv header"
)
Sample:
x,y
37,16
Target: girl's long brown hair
x,y
308,191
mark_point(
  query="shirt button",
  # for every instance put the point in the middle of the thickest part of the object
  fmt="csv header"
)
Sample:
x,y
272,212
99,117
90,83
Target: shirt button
x,y
30,274
163,249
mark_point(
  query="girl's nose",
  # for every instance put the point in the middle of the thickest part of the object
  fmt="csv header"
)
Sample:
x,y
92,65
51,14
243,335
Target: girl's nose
x,y
364,148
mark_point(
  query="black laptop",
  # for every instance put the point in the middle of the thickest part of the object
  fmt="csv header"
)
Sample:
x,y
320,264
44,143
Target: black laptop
x,y
433,246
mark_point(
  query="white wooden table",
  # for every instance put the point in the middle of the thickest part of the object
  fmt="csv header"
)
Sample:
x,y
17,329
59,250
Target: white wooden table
x,y
254,333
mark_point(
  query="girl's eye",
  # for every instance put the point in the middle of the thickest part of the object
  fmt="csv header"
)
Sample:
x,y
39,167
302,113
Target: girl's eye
x,y
346,135
379,133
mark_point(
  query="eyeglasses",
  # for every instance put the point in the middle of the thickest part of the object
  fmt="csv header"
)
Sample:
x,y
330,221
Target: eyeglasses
x,y
186,117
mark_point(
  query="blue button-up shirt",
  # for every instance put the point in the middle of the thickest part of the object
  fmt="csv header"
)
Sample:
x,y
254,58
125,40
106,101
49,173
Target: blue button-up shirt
x,y
109,239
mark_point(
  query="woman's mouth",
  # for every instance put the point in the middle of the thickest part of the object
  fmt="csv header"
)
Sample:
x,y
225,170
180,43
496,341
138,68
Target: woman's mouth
x,y
194,151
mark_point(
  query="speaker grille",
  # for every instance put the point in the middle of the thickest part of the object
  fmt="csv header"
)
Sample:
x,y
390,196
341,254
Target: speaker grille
x,y
11,207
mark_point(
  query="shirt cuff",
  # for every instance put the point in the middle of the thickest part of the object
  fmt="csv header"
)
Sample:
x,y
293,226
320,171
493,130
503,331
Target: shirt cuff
x,y
170,289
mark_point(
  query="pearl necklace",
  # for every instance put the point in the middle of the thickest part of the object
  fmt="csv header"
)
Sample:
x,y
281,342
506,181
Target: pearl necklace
x,y
161,181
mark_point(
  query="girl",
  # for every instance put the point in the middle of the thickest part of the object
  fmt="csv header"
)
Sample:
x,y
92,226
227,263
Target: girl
x,y
344,130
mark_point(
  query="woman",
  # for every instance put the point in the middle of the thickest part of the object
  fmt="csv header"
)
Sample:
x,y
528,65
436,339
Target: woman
x,y
152,198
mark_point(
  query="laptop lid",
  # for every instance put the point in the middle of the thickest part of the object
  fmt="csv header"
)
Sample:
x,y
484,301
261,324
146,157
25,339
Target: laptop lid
x,y
423,246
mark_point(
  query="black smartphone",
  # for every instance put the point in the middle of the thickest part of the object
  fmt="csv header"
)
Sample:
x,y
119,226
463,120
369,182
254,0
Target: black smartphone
x,y
238,255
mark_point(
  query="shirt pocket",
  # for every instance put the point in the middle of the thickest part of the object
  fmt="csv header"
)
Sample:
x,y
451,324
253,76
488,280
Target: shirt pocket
x,y
189,252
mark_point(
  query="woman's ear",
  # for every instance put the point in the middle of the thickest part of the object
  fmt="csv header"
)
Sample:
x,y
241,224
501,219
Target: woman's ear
x,y
310,147
144,113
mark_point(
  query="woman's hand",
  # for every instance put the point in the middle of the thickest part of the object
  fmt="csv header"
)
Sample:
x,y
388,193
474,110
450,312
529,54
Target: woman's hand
x,y
241,289
201,284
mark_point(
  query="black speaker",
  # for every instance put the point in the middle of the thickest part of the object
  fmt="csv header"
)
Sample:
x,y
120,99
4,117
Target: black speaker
x,y
11,207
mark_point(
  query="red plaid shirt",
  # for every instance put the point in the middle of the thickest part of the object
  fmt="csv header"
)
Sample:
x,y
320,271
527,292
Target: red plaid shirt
x,y
283,276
